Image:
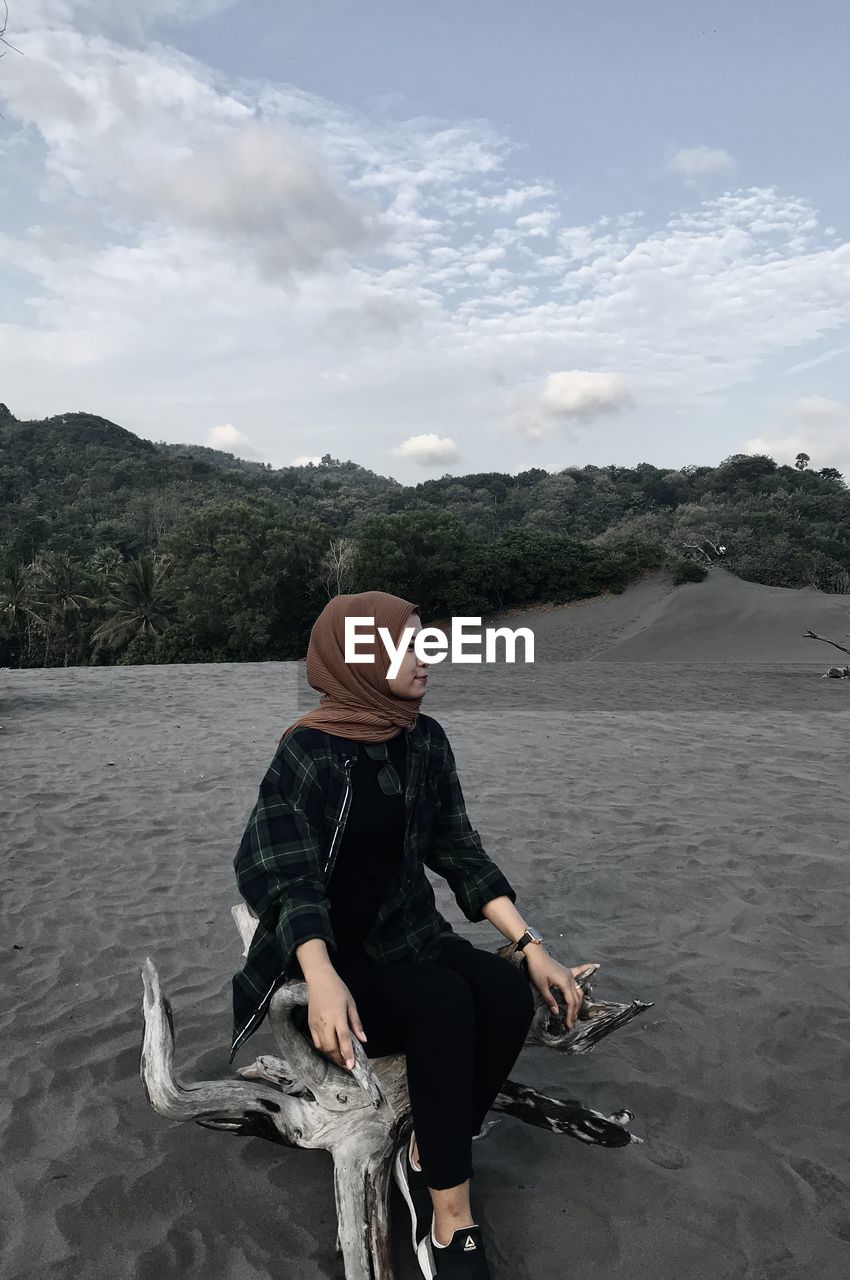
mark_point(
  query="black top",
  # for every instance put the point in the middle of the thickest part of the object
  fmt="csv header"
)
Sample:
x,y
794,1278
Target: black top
x,y
371,851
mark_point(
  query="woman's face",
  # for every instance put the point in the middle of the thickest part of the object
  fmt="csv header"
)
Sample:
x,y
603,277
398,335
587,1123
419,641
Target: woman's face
x,y
412,678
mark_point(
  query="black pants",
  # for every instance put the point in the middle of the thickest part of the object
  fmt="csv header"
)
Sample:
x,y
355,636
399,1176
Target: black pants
x,y
461,1019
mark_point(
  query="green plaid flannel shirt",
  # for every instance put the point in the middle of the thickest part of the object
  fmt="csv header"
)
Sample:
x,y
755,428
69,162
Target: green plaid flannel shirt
x,y
280,865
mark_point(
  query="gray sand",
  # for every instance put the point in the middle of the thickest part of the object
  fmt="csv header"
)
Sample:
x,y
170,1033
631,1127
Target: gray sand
x,y
679,816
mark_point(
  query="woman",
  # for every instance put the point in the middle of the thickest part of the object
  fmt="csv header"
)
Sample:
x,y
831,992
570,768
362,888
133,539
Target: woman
x,y
363,791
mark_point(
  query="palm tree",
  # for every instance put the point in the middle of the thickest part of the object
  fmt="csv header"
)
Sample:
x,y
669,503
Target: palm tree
x,y
15,609
56,602
136,603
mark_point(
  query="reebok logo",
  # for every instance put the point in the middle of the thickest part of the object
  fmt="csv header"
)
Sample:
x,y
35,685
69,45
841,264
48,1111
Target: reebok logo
x,y
470,1244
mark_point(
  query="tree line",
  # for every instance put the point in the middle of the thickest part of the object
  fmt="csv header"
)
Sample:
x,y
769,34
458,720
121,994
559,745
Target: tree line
x,y
115,549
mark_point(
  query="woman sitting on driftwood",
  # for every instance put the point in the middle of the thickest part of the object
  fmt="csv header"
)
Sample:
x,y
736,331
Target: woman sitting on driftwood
x,y
362,792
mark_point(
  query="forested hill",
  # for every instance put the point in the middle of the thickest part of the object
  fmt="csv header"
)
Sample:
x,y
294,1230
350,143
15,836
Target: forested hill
x,y
116,548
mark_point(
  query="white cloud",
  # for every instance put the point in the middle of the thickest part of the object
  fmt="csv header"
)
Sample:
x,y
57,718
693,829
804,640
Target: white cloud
x,y
372,321
824,358
539,223
231,440
118,17
171,206
152,142
427,450
817,426
817,409
694,162
258,187
823,450
513,198
568,398
575,393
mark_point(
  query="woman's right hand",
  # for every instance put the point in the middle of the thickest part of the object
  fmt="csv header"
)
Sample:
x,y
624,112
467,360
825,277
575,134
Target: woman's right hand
x,y
332,1016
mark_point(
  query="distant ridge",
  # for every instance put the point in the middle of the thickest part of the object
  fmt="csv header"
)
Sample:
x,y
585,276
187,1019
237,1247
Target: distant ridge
x,y
79,428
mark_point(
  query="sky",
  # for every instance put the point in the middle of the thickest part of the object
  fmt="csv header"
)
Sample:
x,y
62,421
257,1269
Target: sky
x,y
432,238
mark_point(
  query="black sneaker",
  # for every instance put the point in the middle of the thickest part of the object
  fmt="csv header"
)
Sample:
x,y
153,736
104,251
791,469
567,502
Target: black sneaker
x,y
411,1182
463,1258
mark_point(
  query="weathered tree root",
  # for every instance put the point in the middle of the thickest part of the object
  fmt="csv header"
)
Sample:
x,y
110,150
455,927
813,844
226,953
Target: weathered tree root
x,y
303,1099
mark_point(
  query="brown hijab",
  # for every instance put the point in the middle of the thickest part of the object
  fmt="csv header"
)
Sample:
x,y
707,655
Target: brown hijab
x,y
356,701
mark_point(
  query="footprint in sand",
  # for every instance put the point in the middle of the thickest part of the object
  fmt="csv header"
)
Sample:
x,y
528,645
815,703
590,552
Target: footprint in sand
x,y
833,1195
782,1266
665,1155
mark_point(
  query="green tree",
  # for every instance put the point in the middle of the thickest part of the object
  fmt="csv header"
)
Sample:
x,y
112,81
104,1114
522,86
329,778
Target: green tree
x,y
56,603
418,556
16,612
249,579
137,601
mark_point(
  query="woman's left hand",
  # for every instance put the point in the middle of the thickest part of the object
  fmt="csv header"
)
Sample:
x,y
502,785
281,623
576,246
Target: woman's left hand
x,y
546,972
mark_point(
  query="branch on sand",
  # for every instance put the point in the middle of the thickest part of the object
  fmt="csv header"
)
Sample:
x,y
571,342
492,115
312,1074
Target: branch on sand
x,y
362,1117
834,673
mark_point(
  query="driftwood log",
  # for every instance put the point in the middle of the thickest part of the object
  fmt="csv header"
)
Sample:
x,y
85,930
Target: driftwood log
x,y
831,673
362,1116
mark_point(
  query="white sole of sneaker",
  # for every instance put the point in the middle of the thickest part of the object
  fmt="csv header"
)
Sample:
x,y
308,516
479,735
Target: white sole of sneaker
x,y
425,1257
423,1254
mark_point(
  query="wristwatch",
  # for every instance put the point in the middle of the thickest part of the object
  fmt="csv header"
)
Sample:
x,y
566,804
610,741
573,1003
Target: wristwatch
x,y
530,935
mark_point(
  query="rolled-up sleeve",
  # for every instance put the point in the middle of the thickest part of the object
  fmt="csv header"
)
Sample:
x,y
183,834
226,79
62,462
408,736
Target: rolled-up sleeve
x,y
279,862
456,851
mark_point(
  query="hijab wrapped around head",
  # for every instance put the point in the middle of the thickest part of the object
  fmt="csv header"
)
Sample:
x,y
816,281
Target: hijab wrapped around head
x,y
356,700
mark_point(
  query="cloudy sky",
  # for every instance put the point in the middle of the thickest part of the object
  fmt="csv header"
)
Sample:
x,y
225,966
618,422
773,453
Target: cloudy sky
x,y
432,237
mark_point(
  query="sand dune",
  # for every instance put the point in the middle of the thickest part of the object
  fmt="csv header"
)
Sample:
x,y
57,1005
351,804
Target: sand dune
x,y
683,823
725,619
582,628
722,619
